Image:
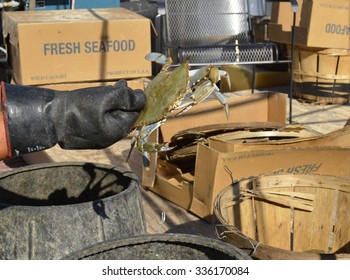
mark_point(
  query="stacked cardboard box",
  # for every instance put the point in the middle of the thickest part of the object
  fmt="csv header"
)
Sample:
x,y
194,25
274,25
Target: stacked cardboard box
x,y
319,24
322,47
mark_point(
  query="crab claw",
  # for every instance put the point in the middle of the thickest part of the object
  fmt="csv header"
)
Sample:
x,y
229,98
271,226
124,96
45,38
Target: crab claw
x,y
140,140
147,148
151,148
204,88
203,91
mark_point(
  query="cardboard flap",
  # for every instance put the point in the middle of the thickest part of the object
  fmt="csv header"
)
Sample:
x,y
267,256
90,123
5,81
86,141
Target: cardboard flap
x,y
206,167
149,172
227,143
216,170
242,109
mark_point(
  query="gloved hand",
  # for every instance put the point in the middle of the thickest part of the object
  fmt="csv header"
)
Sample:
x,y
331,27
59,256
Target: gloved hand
x,y
91,118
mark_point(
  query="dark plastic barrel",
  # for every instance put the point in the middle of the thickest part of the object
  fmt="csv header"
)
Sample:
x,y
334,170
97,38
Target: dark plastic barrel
x,y
48,211
168,246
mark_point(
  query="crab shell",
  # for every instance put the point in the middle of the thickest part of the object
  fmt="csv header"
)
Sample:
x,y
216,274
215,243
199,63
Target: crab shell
x,y
164,94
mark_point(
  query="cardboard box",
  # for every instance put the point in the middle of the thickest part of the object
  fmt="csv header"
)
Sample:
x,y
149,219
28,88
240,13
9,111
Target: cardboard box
x,y
281,13
241,77
133,83
319,24
46,47
263,106
172,183
219,163
229,143
216,170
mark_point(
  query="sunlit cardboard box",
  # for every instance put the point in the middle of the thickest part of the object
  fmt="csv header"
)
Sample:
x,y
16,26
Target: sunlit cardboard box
x,y
63,46
171,182
220,162
319,24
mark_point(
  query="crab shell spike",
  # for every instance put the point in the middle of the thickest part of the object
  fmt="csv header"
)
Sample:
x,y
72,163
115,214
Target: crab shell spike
x,y
158,58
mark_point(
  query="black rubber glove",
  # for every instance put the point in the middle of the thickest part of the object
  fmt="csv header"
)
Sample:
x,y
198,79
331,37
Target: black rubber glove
x,y
89,118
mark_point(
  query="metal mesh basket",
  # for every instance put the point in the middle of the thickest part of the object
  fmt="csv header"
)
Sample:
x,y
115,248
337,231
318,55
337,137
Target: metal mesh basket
x,y
213,31
245,53
204,22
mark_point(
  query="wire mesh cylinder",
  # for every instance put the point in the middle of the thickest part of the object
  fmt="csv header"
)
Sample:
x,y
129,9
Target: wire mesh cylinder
x,y
203,22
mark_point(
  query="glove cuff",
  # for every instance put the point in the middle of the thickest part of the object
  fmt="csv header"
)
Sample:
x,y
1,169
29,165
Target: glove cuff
x,y
27,118
5,147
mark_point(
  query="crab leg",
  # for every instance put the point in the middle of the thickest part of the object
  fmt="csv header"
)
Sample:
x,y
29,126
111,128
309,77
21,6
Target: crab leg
x,y
210,73
140,139
198,95
219,96
141,135
160,59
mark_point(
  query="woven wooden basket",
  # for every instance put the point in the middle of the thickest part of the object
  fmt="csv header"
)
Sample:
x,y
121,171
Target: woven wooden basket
x,y
321,75
287,216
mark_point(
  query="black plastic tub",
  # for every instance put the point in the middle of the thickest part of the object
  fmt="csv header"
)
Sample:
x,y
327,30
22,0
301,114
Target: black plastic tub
x,y
167,246
48,211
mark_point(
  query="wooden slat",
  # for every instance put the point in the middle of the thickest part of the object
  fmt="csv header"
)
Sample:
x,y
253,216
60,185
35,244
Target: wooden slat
x,y
342,225
273,223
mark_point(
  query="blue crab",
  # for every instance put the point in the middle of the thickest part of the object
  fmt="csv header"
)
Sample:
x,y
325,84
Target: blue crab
x,y
172,90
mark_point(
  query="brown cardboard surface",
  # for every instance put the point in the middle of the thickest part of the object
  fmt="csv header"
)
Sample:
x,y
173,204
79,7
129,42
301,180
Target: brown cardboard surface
x,y
320,24
226,143
216,170
257,107
281,13
134,84
169,181
81,45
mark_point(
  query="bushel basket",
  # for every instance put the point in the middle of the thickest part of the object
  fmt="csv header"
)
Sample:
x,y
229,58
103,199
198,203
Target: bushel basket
x,y
287,216
321,75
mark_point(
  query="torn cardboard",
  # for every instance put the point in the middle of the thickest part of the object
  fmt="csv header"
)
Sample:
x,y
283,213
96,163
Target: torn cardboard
x,y
216,170
229,142
171,182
